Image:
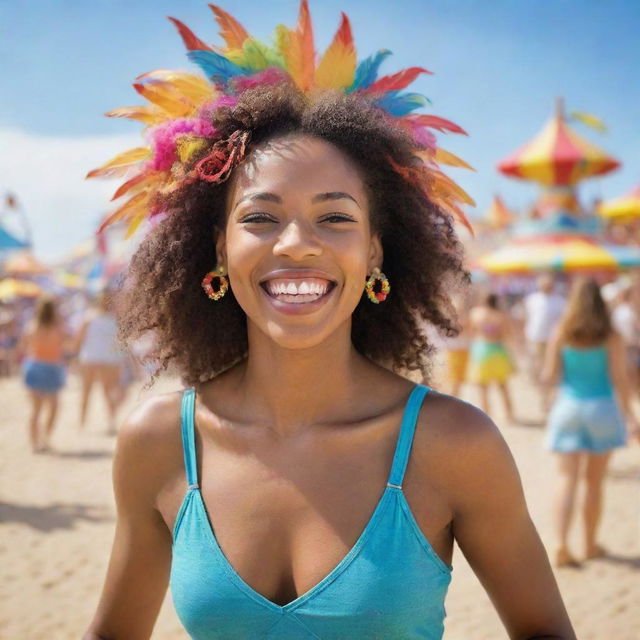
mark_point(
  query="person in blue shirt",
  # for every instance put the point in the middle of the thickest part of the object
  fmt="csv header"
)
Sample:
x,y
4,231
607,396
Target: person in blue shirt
x,y
586,358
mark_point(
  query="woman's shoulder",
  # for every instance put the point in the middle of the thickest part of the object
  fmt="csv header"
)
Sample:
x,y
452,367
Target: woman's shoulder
x,y
456,444
149,442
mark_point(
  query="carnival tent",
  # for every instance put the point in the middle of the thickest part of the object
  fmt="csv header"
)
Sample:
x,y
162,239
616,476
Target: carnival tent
x,y
626,207
557,156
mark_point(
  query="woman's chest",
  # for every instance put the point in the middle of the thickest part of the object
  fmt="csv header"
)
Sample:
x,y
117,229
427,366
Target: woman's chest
x,y
284,518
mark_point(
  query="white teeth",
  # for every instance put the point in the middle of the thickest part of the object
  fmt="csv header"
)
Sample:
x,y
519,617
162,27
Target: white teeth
x,y
299,288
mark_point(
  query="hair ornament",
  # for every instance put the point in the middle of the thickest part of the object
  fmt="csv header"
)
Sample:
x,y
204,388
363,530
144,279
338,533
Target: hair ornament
x,y
183,144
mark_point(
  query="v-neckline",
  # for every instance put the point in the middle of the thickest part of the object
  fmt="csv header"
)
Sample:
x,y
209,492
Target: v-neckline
x,y
350,555
312,591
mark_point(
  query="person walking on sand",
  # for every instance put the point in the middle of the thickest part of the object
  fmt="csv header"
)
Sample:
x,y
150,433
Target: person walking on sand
x,y
100,359
42,348
587,420
490,362
543,309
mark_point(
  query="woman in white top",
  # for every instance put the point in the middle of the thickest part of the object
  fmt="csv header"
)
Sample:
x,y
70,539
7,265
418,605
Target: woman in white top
x,y
101,359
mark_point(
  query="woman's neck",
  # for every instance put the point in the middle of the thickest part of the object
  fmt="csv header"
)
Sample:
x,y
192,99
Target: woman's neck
x,y
293,389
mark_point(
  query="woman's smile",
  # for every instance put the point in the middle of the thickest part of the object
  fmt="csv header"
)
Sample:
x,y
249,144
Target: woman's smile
x,y
298,295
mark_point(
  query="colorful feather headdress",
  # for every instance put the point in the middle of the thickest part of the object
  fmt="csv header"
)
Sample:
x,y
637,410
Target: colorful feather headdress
x,y
179,124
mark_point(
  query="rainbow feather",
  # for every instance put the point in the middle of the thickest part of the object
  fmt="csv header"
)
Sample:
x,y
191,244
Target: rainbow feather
x,y
178,116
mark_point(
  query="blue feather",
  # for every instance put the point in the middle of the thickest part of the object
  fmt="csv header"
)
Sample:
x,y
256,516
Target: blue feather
x,y
367,71
216,67
401,104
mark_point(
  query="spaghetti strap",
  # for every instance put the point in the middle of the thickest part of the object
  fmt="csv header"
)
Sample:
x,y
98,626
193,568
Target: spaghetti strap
x,y
188,436
405,438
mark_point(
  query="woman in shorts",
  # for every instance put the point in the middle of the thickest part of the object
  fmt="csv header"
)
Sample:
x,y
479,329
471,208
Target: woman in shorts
x,y
587,420
43,369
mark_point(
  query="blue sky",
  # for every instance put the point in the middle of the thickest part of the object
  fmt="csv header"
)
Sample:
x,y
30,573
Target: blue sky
x,y
498,66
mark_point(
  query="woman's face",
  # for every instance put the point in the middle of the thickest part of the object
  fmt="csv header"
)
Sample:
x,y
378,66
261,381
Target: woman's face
x,y
298,244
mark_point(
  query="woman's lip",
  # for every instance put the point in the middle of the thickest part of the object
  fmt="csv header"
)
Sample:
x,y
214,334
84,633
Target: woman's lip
x,y
297,308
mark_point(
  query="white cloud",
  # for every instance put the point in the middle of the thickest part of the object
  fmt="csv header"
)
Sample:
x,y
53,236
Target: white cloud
x,y
47,173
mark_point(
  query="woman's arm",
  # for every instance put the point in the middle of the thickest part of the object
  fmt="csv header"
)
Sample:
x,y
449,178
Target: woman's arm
x,y
620,379
551,363
493,528
138,572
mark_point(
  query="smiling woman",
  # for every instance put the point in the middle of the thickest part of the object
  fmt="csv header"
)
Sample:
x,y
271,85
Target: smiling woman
x,y
297,488
316,181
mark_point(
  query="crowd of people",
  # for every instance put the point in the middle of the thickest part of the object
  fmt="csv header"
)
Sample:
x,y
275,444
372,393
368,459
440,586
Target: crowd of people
x,y
582,355
47,340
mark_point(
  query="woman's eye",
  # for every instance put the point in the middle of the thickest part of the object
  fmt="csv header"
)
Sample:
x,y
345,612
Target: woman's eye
x,y
257,217
338,217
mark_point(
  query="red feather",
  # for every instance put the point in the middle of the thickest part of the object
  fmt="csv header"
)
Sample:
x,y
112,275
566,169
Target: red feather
x,y
307,50
191,41
396,81
435,122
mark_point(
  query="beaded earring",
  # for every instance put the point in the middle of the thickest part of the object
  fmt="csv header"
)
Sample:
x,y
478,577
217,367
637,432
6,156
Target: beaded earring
x,y
222,284
377,296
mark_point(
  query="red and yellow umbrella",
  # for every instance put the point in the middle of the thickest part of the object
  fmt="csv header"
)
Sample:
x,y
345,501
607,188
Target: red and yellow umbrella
x,y
557,156
624,208
561,253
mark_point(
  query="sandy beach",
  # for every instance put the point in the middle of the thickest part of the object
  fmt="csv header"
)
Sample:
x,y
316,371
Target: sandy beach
x,y
57,523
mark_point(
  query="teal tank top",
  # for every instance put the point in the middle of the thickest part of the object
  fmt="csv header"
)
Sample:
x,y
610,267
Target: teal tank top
x,y
391,583
585,372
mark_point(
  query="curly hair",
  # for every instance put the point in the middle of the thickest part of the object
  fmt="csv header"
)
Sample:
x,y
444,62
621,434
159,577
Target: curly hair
x,y
422,254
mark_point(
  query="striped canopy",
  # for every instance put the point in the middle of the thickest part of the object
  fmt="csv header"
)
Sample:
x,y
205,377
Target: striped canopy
x,y
557,156
559,254
625,207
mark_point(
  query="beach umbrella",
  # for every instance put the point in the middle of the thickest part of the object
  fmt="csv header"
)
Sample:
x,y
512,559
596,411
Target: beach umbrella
x,y
557,156
24,264
570,253
624,208
12,288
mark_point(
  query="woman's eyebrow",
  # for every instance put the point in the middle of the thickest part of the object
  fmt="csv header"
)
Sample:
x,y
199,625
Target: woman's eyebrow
x,y
332,195
320,197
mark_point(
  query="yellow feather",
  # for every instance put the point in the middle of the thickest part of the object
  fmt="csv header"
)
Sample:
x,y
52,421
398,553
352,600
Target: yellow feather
x,y
196,88
448,158
186,146
337,67
121,163
166,97
288,44
136,205
148,114
135,223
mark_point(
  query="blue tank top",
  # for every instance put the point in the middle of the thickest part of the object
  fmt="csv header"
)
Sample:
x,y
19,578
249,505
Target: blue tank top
x,y
585,372
391,583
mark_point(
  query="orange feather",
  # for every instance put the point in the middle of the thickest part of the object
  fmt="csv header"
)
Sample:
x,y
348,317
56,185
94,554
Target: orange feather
x,y
191,41
233,33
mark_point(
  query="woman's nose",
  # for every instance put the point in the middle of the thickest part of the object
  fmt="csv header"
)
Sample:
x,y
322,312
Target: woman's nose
x,y
297,240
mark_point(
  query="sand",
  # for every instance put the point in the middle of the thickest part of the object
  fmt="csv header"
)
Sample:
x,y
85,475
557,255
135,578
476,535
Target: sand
x,y
57,523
